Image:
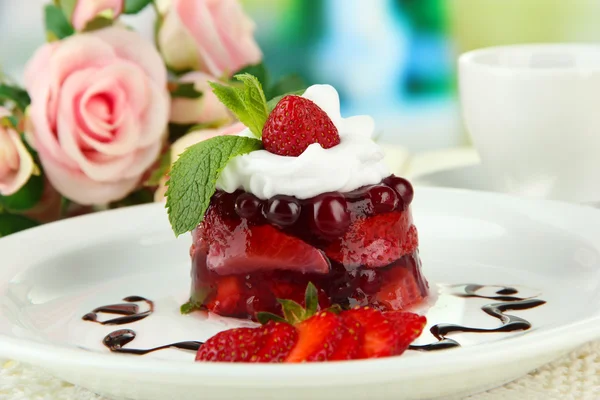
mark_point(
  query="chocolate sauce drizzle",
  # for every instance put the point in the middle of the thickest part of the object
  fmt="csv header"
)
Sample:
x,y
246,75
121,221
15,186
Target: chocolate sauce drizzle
x,y
117,339
510,323
130,312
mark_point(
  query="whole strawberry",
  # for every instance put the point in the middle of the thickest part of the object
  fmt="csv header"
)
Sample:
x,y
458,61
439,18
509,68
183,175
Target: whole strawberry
x,y
295,124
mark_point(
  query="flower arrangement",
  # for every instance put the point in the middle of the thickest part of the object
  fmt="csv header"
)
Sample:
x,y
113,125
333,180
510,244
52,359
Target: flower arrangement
x,y
104,112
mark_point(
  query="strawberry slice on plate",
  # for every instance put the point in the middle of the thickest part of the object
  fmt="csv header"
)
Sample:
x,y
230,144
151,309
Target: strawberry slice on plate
x,y
317,338
379,336
408,326
234,345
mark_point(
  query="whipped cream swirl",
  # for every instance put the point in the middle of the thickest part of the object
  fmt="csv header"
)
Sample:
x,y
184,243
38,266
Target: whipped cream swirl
x,y
357,161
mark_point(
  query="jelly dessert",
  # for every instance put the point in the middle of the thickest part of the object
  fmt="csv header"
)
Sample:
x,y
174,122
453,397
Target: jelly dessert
x,y
310,202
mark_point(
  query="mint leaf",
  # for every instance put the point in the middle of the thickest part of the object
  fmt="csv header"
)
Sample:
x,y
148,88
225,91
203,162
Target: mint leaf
x,y
273,102
194,177
248,103
189,307
259,71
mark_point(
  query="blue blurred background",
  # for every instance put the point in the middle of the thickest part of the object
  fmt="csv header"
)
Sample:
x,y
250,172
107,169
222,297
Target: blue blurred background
x,y
393,59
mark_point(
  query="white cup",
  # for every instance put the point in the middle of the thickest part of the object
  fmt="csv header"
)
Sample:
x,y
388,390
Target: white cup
x,y
533,112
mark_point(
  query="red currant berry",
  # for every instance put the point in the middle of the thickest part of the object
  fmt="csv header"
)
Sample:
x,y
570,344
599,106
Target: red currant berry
x,y
403,189
383,198
282,210
330,214
247,205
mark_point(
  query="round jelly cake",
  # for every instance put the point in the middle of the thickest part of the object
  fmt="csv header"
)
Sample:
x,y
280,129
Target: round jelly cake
x,y
302,197
357,248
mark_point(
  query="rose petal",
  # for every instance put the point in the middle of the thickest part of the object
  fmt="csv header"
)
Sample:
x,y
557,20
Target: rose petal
x,y
22,169
154,120
132,46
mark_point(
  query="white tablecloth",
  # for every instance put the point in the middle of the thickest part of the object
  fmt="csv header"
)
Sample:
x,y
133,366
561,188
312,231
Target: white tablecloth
x,y
575,377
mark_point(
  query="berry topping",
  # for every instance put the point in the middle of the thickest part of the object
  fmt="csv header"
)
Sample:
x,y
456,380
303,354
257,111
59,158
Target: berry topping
x,y
295,124
235,247
283,210
383,198
403,189
330,214
247,206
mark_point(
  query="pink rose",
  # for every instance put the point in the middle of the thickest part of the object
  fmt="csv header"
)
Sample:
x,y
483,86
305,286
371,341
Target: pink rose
x,y
214,36
189,140
16,164
205,109
87,10
99,110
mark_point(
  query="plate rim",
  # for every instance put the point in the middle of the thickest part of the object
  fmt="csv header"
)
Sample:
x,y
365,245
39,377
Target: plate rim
x,y
523,346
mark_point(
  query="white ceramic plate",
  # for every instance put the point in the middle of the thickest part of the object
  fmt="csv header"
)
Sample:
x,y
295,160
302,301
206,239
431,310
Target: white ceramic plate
x,y
53,275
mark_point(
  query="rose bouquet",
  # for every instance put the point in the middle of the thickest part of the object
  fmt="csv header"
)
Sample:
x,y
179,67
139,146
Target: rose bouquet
x,y
104,112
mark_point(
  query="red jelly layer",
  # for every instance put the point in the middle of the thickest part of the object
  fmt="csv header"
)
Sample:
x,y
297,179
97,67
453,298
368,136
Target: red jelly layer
x,y
358,248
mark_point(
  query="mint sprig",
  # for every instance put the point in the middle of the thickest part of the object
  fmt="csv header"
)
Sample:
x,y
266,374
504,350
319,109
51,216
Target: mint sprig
x,y
194,177
247,102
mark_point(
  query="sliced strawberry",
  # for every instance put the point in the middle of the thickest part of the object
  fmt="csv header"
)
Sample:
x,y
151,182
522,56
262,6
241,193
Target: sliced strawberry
x,y
375,241
400,290
280,340
317,338
234,345
409,326
228,296
295,124
235,247
351,341
379,337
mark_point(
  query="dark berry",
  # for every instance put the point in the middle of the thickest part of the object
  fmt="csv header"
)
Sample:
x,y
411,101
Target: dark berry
x,y
283,210
225,203
330,214
403,189
383,198
247,206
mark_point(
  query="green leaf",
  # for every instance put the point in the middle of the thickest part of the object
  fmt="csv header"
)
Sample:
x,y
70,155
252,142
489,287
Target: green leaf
x,y
336,309
57,25
162,169
135,6
257,70
27,197
15,94
263,317
287,84
293,312
98,22
68,7
194,178
189,307
12,223
311,300
247,103
273,102
184,89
